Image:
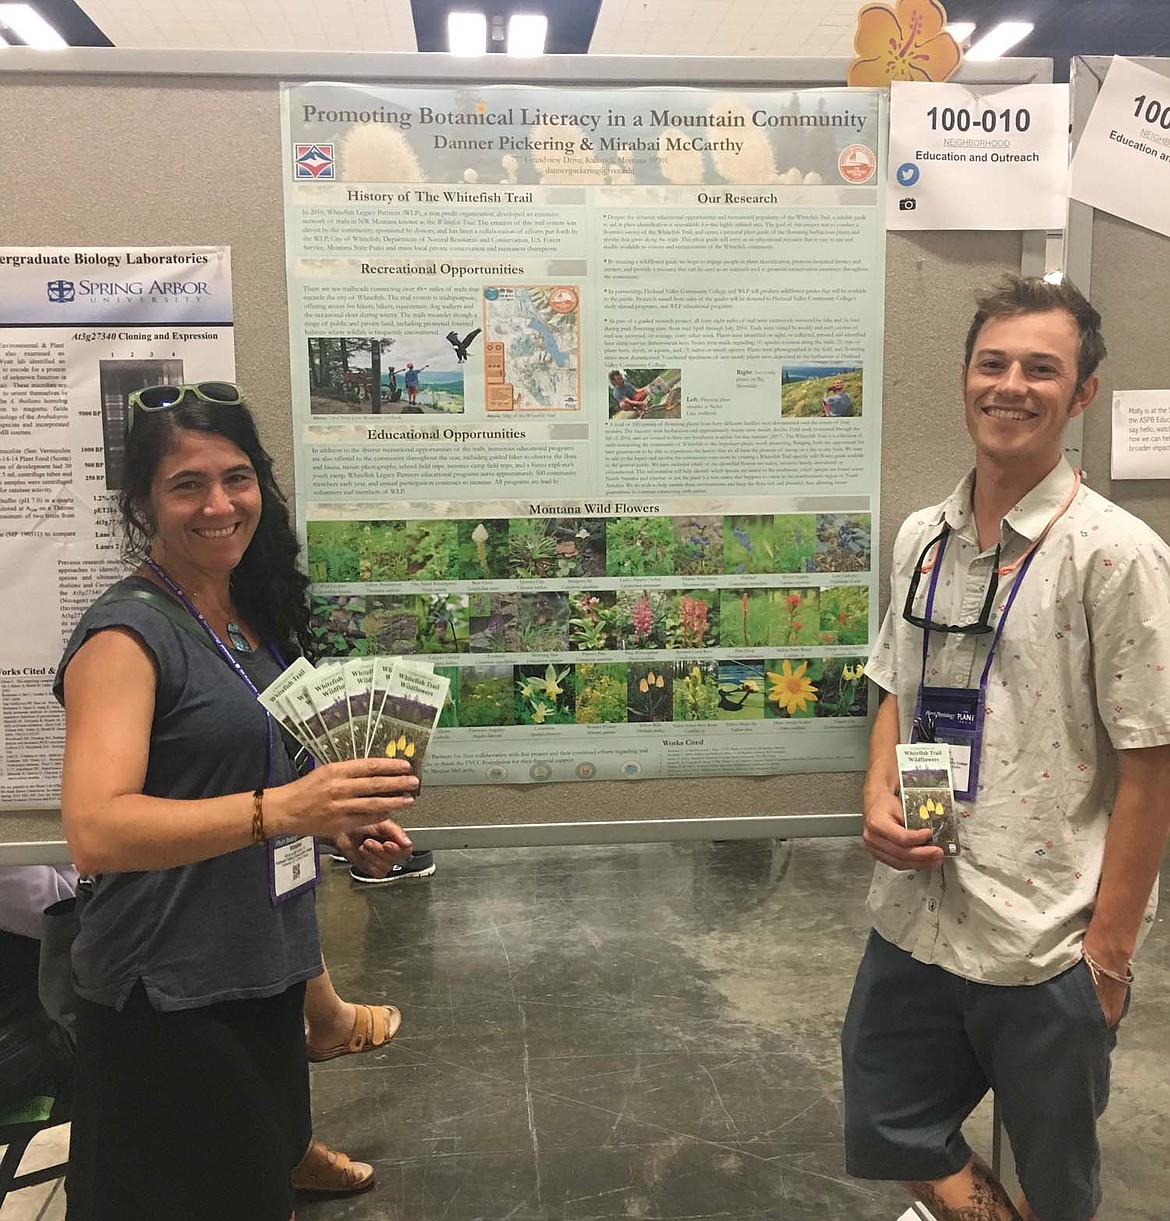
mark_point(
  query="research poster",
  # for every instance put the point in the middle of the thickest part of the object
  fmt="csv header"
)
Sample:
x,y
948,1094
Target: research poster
x,y
586,390
80,329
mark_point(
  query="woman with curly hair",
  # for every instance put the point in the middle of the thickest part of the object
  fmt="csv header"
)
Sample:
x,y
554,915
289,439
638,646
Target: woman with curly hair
x,y
180,795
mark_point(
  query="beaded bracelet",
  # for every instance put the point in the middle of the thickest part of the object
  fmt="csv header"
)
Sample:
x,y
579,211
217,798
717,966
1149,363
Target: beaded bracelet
x,y
1097,970
258,833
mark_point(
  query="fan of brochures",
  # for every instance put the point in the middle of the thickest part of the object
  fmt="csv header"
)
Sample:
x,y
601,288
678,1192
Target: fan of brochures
x,y
380,707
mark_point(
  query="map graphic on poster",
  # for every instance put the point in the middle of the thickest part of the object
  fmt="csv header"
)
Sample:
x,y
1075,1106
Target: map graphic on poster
x,y
586,401
532,348
80,330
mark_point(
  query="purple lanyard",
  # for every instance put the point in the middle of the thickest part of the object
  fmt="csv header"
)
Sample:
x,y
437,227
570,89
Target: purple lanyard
x,y
225,653
1007,606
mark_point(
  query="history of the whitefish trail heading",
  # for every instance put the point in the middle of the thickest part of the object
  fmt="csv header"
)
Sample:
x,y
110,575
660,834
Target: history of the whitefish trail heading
x,y
586,393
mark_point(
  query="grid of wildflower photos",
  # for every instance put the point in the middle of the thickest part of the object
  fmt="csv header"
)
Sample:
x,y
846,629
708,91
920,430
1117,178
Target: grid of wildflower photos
x,y
592,606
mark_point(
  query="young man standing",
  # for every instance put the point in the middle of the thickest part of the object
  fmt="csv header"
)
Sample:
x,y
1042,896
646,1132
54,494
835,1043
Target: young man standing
x,y
1029,626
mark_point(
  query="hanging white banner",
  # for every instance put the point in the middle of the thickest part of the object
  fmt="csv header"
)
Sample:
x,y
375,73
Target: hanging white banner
x,y
1122,163
977,157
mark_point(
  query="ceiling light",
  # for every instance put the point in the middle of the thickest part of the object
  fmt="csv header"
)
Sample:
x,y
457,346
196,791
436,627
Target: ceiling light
x,y
30,27
960,31
466,33
1002,38
1054,277
526,33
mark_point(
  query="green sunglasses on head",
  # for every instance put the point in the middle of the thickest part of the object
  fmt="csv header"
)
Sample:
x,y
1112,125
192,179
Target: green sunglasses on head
x,y
162,398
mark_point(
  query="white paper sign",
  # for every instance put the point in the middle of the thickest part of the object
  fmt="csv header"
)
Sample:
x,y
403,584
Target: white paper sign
x,y
1122,163
977,157
1141,434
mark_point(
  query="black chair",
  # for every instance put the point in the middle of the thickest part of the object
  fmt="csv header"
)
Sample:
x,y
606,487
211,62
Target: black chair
x,y
17,1136
34,1065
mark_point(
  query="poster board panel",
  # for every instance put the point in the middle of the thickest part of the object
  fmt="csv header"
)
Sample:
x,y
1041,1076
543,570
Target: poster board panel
x,y
198,160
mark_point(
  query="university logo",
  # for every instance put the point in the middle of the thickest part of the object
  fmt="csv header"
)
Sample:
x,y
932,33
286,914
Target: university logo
x,y
857,163
314,161
61,292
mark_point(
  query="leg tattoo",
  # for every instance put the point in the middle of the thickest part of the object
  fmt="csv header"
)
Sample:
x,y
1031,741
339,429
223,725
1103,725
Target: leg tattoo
x,y
986,1199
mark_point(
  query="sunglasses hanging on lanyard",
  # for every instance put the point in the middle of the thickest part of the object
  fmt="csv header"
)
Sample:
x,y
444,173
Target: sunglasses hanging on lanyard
x,y
954,715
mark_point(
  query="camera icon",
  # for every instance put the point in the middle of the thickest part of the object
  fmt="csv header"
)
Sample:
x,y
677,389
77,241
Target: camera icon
x,y
907,205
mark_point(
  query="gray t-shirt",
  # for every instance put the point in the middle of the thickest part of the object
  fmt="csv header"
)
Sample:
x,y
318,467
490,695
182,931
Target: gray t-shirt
x,y
195,934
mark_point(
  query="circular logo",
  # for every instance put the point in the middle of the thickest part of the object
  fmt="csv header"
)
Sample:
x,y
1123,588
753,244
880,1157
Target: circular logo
x,y
585,771
562,300
631,768
908,174
857,163
491,293
540,771
497,771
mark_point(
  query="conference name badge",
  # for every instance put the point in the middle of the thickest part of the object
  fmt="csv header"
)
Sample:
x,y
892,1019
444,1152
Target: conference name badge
x,y
294,866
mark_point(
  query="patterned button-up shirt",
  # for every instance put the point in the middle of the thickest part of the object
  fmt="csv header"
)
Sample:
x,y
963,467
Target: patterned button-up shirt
x,y
1081,671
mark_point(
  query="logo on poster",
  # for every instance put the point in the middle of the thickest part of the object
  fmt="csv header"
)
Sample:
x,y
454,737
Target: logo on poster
x,y
908,204
908,174
857,163
61,292
562,300
313,161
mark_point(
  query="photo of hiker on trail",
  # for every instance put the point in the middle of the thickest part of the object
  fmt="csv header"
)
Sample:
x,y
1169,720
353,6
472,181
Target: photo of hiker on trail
x,y
816,390
408,375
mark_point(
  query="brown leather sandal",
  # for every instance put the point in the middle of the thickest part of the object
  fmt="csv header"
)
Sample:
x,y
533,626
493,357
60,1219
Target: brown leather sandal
x,y
373,1026
327,1172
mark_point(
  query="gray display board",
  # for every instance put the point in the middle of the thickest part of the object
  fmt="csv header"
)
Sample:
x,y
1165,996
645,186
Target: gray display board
x,y
155,148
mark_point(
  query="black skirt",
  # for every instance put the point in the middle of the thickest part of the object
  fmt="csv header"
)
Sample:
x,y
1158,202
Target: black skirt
x,y
189,1115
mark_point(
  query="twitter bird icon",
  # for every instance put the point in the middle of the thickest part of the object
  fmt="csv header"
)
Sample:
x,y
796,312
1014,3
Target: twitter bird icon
x,y
907,174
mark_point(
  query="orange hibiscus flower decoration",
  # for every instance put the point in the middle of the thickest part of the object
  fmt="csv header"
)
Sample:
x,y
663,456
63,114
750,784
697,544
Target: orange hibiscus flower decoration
x,y
902,43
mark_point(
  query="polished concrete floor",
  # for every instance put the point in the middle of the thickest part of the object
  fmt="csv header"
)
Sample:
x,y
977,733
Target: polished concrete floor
x,y
638,1032
643,1032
